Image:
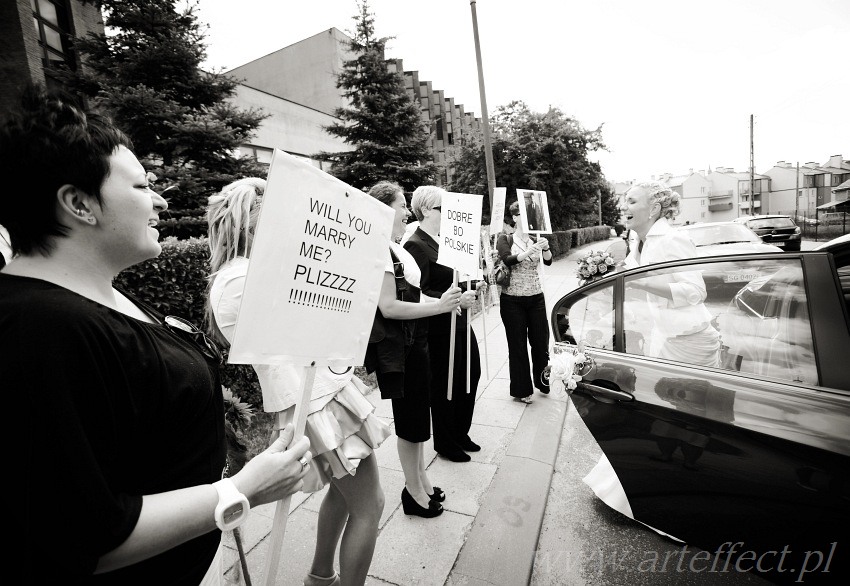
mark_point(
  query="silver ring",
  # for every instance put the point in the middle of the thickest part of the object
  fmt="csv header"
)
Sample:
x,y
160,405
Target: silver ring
x,y
303,461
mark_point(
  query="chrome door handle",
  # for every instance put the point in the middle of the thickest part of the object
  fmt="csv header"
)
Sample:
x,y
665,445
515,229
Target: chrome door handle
x,y
604,393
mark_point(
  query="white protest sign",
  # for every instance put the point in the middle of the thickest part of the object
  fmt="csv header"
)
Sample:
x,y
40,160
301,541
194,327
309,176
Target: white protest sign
x,y
497,212
317,263
460,232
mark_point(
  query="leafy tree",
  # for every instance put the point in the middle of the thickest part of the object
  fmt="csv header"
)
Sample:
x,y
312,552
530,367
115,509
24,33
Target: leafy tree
x,y
382,122
145,74
546,152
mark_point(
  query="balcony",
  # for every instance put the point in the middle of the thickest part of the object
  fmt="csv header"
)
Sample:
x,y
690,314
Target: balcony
x,y
720,207
720,194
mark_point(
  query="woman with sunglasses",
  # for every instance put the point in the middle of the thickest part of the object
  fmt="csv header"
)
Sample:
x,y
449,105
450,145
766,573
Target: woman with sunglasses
x,y
119,470
523,308
341,425
399,356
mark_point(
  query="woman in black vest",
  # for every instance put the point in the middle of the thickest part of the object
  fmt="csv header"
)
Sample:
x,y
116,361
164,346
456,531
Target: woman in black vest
x,y
398,353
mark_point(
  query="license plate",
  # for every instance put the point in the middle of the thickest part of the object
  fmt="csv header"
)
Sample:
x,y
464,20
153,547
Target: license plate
x,y
743,277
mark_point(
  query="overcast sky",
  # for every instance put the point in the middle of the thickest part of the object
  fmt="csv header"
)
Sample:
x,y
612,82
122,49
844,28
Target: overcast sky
x,y
673,82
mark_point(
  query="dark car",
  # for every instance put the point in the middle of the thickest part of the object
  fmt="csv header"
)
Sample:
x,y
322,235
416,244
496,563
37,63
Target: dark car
x,y
780,231
746,456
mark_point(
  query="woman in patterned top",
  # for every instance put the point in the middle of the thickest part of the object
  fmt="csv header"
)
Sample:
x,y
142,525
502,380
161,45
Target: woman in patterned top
x,y
523,308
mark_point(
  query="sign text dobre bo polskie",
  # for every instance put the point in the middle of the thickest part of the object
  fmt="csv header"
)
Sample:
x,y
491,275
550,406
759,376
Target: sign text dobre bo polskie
x,y
452,240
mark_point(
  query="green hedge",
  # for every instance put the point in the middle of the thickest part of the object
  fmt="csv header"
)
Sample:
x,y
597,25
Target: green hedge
x,y
563,242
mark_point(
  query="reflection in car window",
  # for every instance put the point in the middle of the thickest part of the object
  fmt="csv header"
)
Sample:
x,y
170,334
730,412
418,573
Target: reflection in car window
x,y
590,319
759,308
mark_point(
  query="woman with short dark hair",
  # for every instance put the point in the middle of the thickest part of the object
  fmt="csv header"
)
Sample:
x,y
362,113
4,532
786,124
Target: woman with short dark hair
x,y
119,474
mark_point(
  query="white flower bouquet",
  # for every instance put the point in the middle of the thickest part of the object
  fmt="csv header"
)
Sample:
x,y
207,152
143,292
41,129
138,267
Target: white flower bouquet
x,y
594,265
567,365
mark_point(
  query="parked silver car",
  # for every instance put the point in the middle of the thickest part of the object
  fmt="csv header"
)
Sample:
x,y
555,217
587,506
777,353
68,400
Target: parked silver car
x,y
718,238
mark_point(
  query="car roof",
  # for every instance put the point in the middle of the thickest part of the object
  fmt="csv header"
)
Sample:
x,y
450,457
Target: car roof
x,y
705,225
766,217
829,245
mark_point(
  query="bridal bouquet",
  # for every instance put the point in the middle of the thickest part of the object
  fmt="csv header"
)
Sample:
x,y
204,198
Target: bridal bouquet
x,y
594,265
567,365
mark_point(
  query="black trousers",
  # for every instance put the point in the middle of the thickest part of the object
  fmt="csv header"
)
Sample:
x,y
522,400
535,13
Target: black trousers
x,y
451,420
524,318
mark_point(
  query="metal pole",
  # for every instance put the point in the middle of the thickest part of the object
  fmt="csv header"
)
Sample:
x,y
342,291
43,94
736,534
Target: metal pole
x,y
797,198
599,197
752,173
488,149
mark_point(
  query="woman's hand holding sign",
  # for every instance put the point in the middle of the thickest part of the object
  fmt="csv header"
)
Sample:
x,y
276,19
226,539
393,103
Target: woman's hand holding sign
x,y
451,299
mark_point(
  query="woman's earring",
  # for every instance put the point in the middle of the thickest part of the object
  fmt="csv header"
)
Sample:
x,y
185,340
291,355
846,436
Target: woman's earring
x,y
90,220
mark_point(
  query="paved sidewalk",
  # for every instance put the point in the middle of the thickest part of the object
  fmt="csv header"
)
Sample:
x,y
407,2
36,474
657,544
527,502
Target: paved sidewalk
x,y
494,504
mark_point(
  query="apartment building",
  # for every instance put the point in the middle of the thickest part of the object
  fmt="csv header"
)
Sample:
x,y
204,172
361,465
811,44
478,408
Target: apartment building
x,y
34,42
726,182
305,74
697,201
812,183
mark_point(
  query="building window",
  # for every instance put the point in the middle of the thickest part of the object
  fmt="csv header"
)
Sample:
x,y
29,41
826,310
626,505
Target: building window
x,y
260,154
702,202
52,24
439,129
702,190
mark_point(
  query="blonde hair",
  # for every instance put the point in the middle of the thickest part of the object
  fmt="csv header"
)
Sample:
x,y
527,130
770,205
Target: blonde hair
x,y
425,198
658,192
231,219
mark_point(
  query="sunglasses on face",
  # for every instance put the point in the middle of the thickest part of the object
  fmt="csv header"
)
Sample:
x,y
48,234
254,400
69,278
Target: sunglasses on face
x,y
188,330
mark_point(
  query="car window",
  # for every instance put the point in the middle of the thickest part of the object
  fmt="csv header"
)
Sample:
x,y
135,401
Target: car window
x,y
590,319
751,317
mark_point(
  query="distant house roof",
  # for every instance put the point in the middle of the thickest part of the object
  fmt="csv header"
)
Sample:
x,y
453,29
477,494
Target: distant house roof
x,y
675,181
845,187
742,176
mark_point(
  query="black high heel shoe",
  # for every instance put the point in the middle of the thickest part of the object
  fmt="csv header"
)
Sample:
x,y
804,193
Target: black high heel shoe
x,y
411,507
438,496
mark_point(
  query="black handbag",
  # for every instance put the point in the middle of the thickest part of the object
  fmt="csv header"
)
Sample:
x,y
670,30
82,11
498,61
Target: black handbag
x,y
501,271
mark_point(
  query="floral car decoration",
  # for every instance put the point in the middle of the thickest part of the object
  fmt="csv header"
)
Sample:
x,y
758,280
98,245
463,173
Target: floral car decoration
x,y
594,265
567,365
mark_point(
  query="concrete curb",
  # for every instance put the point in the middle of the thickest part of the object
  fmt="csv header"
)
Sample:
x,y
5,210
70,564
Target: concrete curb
x,y
502,542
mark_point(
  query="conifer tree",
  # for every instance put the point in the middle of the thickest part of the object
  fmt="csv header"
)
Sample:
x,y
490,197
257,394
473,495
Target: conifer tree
x,y
145,74
382,122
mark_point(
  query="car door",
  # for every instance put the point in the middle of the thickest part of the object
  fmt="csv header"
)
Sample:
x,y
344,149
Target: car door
x,y
724,408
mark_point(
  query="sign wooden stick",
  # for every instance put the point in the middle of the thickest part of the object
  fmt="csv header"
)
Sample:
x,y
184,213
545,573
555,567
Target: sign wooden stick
x,y
281,512
484,329
452,342
468,339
